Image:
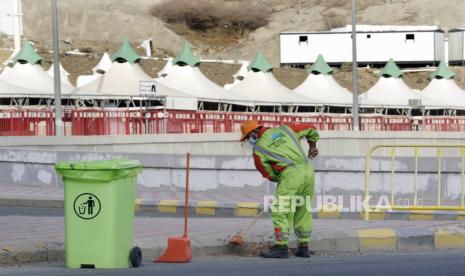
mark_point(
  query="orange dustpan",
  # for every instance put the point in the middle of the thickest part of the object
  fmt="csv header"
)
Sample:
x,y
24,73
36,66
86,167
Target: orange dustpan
x,y
179,248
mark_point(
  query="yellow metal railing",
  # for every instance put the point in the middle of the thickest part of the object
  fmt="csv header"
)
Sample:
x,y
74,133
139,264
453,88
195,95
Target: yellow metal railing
x,y
438,206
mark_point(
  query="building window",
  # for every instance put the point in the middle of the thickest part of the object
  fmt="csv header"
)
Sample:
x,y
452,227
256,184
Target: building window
x,y
368,35
409,38
303,39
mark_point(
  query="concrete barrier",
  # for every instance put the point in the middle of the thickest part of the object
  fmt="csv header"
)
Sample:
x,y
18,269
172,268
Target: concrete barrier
x,y
220,163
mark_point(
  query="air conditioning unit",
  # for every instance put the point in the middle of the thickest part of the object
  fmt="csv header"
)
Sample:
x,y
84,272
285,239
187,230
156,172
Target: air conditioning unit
x,y
414,102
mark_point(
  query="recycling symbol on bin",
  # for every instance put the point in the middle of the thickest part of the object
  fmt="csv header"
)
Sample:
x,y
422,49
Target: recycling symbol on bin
x,y
87,206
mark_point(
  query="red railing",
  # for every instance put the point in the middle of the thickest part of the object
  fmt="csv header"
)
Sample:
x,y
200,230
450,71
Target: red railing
x,y
98,121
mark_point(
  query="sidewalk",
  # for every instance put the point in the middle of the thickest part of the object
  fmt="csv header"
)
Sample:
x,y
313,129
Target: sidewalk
x,y
23,192
33,239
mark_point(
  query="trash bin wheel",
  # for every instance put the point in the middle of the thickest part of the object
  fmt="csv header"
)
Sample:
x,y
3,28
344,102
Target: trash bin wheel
x,y
135,256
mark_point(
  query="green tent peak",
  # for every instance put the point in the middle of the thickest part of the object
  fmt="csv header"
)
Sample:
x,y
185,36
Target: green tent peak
x,y
260,63
442,72
27,54
320,67
126,53
186,57
391,70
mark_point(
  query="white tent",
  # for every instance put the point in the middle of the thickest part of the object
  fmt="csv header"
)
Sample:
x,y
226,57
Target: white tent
x,y
391,91
33,78
324,89
262,88
443,88
85,79
445,92
239,75
103,65
63,74
8,90
122,79
321,86
26,72
394,93
192,81
185,76
167,68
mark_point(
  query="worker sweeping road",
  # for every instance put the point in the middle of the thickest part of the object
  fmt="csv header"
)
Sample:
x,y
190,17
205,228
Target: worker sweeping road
x,y
279,157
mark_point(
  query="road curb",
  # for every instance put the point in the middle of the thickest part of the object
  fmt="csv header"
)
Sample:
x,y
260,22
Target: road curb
x,y
209,208
349,241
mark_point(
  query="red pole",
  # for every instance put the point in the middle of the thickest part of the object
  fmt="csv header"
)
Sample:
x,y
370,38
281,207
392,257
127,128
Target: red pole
x,y
186,206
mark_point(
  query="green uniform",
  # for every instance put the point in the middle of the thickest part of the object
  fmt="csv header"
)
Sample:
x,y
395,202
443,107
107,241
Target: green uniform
x,y
279,156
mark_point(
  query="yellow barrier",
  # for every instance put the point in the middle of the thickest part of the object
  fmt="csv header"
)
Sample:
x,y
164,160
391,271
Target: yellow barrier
x,y
438,205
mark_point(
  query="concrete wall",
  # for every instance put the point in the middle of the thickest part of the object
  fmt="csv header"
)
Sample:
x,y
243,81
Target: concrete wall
x,y
331,143
221,164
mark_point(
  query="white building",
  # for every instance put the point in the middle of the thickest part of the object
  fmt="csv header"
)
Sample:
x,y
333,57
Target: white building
x,y
410,45
457,46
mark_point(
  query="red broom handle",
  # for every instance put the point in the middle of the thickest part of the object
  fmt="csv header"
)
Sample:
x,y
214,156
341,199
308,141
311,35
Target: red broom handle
x,y
186,206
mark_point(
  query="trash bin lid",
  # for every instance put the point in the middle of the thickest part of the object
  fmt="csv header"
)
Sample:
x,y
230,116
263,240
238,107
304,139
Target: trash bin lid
x,y
99,165
98,171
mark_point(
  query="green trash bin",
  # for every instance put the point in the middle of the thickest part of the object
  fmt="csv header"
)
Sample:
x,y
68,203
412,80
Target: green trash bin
x,y
99,213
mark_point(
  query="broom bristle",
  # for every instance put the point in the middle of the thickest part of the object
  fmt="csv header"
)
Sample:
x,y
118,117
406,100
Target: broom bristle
x,y
237,240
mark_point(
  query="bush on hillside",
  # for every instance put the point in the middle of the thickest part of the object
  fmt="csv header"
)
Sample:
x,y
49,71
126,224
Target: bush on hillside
x,y
201,15
247,19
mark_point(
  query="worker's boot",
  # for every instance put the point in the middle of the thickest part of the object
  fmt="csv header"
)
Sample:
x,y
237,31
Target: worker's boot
x,y
302,251
276,251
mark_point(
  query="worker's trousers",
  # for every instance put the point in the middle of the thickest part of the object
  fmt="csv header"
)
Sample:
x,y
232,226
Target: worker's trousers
x,y
295,183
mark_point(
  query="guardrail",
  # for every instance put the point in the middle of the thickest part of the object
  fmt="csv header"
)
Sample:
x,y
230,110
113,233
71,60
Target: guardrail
x,y
416,206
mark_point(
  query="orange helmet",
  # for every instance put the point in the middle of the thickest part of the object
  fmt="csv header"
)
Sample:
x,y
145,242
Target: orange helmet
x,y
248,127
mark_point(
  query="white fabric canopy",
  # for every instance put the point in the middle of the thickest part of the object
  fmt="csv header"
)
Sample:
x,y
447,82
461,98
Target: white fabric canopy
x,y
393,92
324,89
445,92
33,78
122,80
264,89
103,65
85,79
63,74
167,68
192,81
239,75
8,90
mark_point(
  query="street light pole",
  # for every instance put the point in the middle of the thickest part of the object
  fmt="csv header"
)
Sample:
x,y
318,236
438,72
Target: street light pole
x,y
356,126
56,71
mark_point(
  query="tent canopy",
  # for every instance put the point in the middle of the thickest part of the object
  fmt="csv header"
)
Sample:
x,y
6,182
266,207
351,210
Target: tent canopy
x,y
393,93
8,90
442,72
260,63
186,57
190,80
27,54
446,92
121,81
391,70
125,53
63,74
262,88
103,65
320,67
324,89
33,78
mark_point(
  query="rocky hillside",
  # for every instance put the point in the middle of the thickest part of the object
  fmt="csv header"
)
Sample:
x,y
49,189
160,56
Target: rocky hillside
x,y
98,26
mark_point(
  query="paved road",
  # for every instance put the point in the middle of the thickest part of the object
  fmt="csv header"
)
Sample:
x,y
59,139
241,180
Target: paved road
x,y
437,263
